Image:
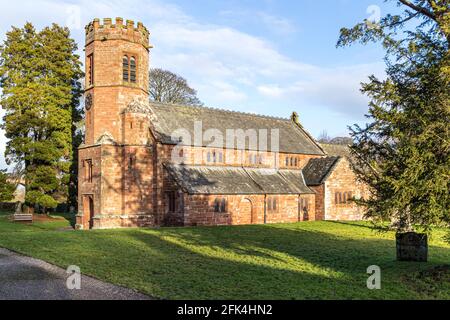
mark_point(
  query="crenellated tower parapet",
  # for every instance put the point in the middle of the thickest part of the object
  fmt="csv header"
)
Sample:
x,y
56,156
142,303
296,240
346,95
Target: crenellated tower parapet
x,y
120,30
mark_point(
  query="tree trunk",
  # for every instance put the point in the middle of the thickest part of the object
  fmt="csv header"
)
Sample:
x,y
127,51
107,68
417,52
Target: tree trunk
x,y
412,246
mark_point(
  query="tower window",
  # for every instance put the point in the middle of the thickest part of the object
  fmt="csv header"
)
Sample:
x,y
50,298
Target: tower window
x,y
90,69
131,162
88,170
133,69
126,68
129,69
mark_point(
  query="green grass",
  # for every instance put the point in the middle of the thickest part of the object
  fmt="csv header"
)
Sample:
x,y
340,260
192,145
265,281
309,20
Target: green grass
x,y
314,260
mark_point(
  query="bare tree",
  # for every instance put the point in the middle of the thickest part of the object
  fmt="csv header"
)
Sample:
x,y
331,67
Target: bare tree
x,y
168,87
324,137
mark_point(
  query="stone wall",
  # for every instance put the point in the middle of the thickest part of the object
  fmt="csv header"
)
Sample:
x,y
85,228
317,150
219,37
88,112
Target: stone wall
x,y
121,185
244,209
343,180
319,201
236,158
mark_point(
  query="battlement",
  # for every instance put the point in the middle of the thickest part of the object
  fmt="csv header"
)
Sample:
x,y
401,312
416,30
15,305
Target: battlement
x,y
120,30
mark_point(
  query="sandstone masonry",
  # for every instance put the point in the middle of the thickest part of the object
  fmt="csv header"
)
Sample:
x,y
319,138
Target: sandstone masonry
x,y
128,176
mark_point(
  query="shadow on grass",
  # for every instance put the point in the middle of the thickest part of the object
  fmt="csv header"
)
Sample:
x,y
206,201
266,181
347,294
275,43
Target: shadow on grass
x,y
265,263
301,261
69,217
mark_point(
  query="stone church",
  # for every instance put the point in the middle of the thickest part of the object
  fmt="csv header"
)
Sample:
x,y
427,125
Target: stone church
x,y
142,164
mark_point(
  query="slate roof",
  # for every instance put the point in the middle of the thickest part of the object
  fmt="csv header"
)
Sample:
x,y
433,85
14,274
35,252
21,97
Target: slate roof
x,y
318,170
168,118
236,180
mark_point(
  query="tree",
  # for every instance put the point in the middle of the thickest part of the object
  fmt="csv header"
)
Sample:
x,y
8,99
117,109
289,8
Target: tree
x,y
342,141
7,189
169,87
324,137
39,76
403,152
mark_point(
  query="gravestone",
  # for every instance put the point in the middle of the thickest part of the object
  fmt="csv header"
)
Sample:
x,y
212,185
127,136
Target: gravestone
x,y
18,209
412,246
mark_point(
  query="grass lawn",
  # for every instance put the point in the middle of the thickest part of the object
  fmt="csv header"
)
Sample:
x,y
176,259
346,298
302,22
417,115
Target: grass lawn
x,y
312,260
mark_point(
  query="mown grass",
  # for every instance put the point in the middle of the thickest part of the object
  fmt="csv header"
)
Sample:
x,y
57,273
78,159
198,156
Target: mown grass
x,y
314,260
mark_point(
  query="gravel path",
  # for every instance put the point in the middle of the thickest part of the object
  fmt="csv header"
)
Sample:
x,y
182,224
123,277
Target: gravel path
x,y
25,278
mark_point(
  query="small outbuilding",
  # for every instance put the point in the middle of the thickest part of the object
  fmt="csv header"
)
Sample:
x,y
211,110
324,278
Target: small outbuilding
x,y
336,186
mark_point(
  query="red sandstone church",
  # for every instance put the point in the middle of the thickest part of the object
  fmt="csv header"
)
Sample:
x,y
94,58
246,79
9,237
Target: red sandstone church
x,y
135,171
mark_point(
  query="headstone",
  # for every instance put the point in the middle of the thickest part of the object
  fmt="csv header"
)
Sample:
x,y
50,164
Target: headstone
x,y
18,209
412,246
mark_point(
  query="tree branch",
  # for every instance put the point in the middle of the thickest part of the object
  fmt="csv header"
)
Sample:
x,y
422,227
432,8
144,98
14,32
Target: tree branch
x,y
417,8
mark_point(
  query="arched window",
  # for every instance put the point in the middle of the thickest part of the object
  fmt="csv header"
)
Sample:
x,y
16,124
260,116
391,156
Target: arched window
x,y
126,68
292,162
287,162
217,205
274,205
209,157
345,198
296,162
338,198
133,69
269,204
223,206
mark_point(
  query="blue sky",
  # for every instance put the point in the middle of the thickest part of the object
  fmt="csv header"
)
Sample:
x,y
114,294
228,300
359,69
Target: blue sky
x,y
269,57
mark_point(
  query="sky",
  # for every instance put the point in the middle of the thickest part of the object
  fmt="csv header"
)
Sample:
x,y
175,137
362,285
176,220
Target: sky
x,y
260,56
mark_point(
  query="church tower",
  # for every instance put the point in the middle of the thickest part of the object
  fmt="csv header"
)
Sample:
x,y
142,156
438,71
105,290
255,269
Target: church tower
x,y
115,161
117,66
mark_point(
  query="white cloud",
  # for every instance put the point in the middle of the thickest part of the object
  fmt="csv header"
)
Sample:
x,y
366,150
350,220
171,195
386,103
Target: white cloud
x,y
336,88
227,66
278,25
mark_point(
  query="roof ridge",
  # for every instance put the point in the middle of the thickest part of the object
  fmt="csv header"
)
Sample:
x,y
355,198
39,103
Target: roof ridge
x,y
300,127
332,167
223,110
